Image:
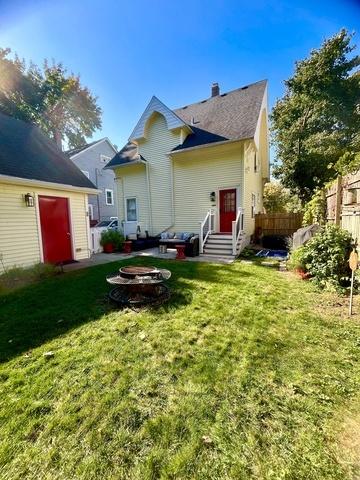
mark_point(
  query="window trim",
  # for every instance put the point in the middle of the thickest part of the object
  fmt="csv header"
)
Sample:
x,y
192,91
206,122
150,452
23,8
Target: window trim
x,y
86,173
104,158
126,210
91,211
253,204
106,196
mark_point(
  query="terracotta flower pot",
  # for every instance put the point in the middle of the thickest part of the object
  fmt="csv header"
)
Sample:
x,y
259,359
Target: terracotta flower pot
x,y
108,248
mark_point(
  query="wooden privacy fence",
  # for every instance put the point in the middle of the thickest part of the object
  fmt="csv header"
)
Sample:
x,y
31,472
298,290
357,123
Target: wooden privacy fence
x,y
278,223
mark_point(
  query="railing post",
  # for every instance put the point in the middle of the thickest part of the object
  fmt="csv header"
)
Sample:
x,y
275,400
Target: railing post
x,y
201,237
234,237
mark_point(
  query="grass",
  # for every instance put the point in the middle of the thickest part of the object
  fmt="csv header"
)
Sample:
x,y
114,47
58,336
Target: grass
x,y
247,373
17,277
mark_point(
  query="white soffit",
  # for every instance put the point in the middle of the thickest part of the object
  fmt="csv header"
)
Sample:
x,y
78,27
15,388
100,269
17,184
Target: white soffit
x,y
155,105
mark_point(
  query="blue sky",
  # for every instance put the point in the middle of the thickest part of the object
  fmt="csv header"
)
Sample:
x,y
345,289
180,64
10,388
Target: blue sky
x,y
126,51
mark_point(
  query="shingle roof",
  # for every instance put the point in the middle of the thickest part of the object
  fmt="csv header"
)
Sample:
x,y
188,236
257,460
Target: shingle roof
x,y
128,154
25,152
74,151
229,116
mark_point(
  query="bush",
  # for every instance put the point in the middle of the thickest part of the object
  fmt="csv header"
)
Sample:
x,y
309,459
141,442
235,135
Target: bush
x,y
325,257
297,259
112,236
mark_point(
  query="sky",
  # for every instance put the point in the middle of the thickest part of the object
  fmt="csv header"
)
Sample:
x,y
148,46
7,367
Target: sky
x,y
127,51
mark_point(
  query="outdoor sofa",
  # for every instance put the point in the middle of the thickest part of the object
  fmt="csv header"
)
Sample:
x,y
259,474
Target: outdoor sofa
x,y
190,240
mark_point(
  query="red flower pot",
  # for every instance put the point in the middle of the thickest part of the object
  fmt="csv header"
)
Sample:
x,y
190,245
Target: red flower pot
x,y
127,246
108,248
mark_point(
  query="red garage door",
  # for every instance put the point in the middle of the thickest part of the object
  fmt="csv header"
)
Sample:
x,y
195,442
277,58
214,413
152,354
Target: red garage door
x,y
55,229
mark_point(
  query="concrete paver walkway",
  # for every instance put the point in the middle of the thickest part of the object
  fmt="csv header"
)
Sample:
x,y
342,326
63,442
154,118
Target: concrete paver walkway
x,y
100,258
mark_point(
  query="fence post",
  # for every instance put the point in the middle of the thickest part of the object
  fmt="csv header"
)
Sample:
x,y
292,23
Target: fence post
x,y
338,200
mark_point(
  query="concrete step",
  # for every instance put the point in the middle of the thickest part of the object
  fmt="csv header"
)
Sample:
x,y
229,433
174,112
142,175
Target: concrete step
x,y
217,255
218,251
220,236
218,241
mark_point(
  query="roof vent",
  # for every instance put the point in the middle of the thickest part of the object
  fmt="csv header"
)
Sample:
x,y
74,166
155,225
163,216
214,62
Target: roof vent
x,y
223,95
215,90
244,88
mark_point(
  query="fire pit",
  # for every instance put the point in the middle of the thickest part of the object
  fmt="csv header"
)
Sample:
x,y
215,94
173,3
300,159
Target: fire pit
x,y
139,286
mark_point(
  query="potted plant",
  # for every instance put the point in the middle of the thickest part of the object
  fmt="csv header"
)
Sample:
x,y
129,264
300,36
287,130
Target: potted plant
x,y
111,241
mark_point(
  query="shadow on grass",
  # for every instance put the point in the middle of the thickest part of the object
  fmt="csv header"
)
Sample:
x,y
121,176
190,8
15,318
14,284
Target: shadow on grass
x,y
38,313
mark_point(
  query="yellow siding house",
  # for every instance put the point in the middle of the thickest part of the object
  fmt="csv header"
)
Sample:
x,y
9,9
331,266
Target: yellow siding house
x,y
43,200
198,169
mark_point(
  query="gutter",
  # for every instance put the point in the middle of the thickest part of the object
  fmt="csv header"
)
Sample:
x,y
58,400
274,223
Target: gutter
x,y
206,145
8,179
127,164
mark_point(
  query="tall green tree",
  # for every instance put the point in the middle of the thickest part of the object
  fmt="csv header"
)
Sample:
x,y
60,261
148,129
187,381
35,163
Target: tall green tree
x,y
316,124
278,199
49,97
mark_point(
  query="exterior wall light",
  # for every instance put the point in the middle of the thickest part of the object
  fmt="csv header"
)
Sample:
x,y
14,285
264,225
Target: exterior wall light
x,y
212,196
29,200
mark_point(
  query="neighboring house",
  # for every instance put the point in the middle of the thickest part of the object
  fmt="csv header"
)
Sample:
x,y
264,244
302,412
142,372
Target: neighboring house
x,y
199,168
91,159
43,199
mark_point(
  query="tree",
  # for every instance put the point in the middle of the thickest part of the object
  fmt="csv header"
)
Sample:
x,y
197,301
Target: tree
x,y
49,97
278,199
316,125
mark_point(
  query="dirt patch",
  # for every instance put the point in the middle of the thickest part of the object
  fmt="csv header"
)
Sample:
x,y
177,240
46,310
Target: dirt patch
x,y
347,448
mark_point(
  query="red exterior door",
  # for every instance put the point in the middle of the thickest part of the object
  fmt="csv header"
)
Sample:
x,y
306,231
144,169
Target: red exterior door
x,y
227,209
55,229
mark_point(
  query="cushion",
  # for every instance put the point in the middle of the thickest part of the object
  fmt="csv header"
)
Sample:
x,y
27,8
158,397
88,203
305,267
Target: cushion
x,y
164,235
132,236
186,236
171,234
178,235
142,235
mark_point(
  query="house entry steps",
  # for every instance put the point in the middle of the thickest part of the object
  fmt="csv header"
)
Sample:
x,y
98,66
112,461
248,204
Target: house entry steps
x,y
220,245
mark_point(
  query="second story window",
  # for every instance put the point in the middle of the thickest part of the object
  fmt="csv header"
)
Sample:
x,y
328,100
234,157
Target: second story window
x,y
109,196
104,159
256,162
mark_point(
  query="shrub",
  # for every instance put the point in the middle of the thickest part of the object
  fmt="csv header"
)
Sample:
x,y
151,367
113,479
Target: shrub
x,y
112,236
325,257
297,259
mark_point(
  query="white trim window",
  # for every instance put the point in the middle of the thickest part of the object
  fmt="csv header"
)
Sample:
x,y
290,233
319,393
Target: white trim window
x,y
253,205
256,162
105,158
109,196
87,174
131,209
91,211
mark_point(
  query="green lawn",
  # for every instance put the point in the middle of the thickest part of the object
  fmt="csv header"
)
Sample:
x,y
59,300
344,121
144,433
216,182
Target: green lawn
x,y
247,373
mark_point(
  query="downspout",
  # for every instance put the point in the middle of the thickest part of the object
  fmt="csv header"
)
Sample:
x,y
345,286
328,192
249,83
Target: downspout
x,y
147,166
97,197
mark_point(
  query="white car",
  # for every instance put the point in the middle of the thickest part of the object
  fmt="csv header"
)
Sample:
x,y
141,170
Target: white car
x,y
106,224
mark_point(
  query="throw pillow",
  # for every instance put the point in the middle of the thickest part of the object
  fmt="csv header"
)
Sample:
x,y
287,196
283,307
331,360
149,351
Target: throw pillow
x,y
186,236
164,235
171,235
178,236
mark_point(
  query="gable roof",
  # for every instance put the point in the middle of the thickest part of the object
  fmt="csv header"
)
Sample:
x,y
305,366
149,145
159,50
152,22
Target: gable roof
x,y
29,154
75,151
155,105
128,154
227,117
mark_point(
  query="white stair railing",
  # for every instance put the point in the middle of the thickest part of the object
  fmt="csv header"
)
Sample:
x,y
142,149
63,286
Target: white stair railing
x,y
207,226
237,229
